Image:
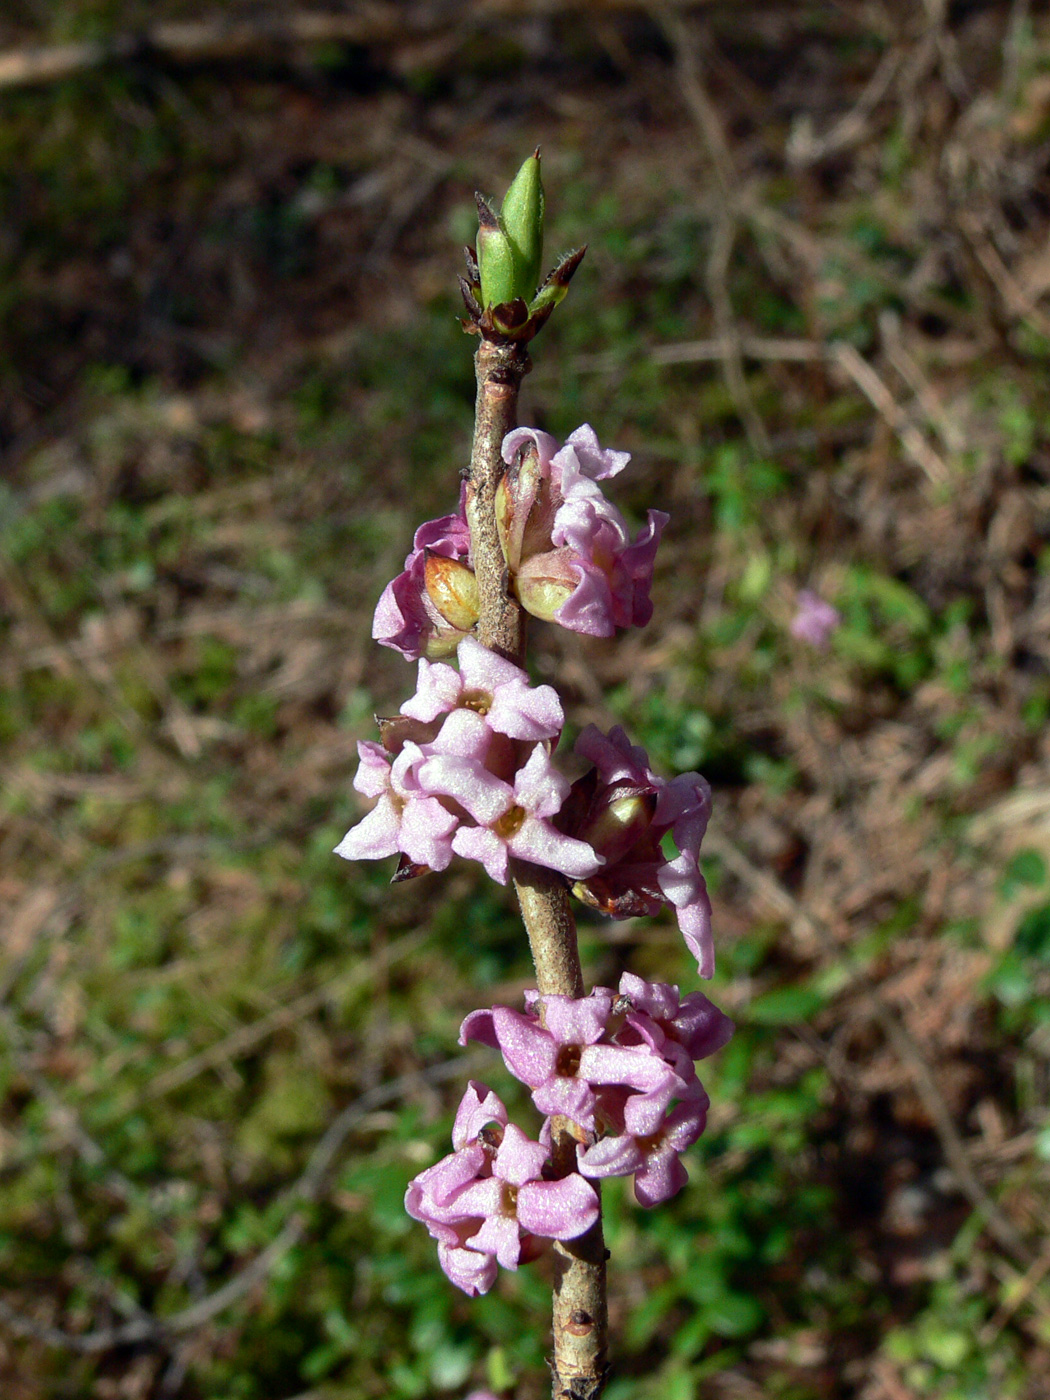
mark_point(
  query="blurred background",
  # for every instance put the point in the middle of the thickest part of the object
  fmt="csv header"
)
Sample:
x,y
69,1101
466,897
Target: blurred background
x,y
816,309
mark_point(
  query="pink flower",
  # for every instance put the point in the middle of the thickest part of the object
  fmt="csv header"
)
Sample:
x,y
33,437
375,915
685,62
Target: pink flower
x,y
692,1027
652,1158
567,547
623,810
493,687
465,768
815,620
432,605
512,817
488,1204
564,1061
405,818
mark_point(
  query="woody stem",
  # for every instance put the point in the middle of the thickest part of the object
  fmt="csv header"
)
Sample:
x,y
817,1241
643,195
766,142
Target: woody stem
x,y
580,1308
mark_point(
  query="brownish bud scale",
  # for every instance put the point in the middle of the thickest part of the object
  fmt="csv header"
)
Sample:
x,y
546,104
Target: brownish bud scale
x,y
453,590
395,731
524,511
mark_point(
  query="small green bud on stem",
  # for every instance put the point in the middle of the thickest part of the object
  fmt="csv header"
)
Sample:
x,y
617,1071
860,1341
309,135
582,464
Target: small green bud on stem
x,y
522,218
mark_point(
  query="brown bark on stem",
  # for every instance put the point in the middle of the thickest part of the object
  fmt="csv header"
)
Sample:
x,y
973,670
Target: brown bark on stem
x,y
580,1310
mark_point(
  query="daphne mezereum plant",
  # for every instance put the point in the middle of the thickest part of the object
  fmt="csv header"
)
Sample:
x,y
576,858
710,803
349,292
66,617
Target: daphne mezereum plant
x,y
467,769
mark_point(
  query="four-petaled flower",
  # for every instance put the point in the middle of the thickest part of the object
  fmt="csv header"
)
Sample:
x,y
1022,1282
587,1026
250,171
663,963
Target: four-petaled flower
x,y
488,1203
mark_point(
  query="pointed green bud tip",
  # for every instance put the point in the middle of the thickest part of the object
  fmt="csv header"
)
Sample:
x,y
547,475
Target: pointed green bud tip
x,y
522,219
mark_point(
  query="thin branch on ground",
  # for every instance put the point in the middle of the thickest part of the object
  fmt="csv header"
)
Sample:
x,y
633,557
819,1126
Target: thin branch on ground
x,y
726,230
805,147
305,1191
220,38
878,394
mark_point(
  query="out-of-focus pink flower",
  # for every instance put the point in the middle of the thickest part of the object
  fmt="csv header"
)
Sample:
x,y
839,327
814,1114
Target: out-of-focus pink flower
x,y
623,810
493,687
488,1204
432,604
568,549
815,620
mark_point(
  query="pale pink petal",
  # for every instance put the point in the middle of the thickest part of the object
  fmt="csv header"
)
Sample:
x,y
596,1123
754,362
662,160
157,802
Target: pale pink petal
x,y
478,1107
611,1156
500,1235
484,796
519,1159
614,756
538,787
656,999
615,1064
596,461
484,670
479,1026
529,1051
480,844
426,831
538,842
700,1026
375,837
589,610
438,689
558,1210
373,771
526,712
572,1097
578,1020
473,1272
662,1177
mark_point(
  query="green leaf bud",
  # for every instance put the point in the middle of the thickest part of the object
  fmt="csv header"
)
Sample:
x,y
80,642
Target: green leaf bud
x,y
522,219
497,264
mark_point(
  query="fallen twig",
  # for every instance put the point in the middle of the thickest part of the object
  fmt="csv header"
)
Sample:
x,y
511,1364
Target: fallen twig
x,y
220,38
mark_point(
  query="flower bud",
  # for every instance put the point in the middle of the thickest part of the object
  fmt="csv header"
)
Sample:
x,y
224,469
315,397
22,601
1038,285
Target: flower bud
x,y
497,264
620,821
545,583
453,590
522,218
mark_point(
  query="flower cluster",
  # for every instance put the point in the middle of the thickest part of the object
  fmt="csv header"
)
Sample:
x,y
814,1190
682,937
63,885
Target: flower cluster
x,y
465,768
488,1203
570,556
621,1069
